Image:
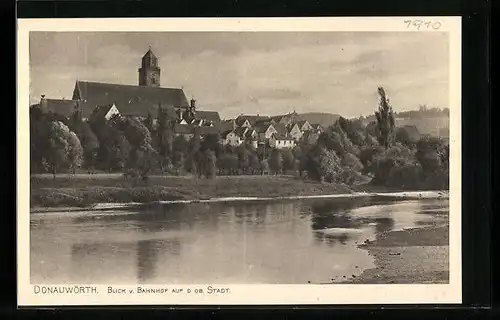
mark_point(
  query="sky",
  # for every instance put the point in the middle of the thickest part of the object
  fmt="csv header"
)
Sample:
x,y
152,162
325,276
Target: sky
x,y
255,72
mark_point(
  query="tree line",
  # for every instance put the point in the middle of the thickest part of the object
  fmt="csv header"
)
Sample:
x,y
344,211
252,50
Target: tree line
x,y
346,152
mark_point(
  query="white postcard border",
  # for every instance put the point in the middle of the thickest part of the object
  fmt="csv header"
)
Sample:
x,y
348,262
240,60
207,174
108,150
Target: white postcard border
x,y
243,294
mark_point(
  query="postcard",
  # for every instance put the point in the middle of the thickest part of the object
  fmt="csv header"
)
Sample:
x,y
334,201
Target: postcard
x,y
249,161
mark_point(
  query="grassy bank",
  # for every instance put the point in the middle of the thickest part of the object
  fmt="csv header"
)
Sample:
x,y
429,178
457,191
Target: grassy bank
x,y
85,190
409,256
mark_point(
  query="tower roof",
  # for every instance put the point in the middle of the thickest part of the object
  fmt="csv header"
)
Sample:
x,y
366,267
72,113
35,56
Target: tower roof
x,y
149,59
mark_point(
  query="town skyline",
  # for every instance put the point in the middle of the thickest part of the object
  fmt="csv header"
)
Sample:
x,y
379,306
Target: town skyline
x,y
266,73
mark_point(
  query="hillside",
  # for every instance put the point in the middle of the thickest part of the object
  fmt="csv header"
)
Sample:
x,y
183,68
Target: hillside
x,y
325,119
434,126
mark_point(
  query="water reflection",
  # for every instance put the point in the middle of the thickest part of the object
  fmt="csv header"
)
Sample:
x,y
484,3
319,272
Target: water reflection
x,y
148,252
253,242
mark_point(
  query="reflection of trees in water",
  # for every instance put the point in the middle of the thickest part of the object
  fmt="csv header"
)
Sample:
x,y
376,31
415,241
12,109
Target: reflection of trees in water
x,y
333,220
331,239
253,213
147,256
336,213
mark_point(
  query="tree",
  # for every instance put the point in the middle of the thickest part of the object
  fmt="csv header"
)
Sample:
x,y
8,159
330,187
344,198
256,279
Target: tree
x,y
134,130
164,139
139,163
209,164
211,142
390,159
276,162
64,150
432,153
243,158
180,145
227,163
148,122
89,142
114,148
329,165
351,162
334,138
254,162
39,130
288,159
264,165
385,119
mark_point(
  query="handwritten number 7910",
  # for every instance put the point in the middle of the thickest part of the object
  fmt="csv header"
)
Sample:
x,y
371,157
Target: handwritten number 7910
x,y
420,24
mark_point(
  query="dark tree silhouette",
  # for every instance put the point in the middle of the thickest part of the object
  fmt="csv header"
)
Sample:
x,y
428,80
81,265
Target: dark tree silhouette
x,y
385,119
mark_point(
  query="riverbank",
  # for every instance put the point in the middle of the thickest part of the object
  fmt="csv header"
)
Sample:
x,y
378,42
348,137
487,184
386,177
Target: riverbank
x,y
408,256
102,192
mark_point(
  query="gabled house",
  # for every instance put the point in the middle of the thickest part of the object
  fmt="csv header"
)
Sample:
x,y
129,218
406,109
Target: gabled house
x,y
304,125
230,137
265,131
280,141
295,132
317,127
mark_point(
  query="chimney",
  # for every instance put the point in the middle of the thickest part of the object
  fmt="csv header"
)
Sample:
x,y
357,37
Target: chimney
x,y
193,103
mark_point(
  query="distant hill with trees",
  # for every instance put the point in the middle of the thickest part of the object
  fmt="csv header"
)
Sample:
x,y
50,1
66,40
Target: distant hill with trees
x,y
430,121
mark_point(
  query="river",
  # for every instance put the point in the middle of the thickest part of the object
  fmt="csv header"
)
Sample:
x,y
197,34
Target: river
x,y
272,242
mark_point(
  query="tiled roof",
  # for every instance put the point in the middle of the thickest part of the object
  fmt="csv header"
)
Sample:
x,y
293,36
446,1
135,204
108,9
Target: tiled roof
x,y
212,116
224,126
281,129
261,127
183,128
129,99
63,107
301,123
251,118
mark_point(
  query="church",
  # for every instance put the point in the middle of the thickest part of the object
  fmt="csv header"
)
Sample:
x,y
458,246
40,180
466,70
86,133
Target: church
x,y
95,99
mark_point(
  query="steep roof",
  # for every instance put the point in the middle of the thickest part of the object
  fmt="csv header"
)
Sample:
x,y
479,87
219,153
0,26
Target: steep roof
x,y
212,116
302,123
251,118
224,126
63,107
281,129
262,127
129,99
240,131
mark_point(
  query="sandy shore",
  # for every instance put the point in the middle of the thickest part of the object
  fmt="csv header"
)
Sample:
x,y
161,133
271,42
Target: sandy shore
x,y
408,256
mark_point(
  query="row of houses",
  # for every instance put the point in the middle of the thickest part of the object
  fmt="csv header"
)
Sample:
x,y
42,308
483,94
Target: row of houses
x,y
97,101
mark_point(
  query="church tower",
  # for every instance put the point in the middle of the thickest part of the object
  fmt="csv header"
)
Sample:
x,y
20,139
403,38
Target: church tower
x,y
149,73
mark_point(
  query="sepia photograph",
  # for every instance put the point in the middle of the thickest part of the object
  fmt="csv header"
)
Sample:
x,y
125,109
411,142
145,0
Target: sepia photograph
x,y
190,163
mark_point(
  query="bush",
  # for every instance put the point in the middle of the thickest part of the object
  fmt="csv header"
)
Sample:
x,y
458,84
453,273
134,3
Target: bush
x,y
394,157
